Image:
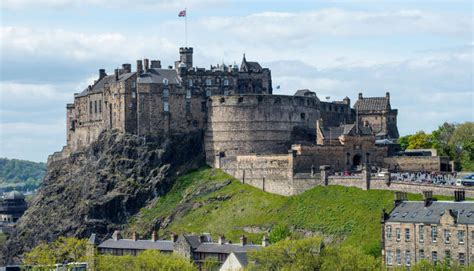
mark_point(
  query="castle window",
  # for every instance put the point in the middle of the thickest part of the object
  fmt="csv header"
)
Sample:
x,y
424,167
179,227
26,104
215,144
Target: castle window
x,y
434,233
434,257
195,123
90,107
367,157
222,100
259,99
462,259
226,82
389,232
447,236
203,107
165,81
188,107
389,257
398,234
166,106
399,257
190,82
277,101
422,254
407,258
208,93
95,107
303,116
134,84
422,233
166,93
447,256
208,81
100,106
461,235
188,94
241,100
407,234
134,95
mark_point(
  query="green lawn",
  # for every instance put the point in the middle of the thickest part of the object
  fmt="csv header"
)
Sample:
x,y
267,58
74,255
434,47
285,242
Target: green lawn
x,y
350,215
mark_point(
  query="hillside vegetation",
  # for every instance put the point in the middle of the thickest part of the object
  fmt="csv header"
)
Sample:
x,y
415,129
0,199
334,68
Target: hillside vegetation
x,y
208,200
20,174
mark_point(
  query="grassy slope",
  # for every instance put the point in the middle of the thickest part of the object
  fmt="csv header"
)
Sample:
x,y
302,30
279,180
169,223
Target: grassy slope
x,y
348,213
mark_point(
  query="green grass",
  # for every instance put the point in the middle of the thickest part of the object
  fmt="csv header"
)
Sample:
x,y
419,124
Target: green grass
x,y
346,214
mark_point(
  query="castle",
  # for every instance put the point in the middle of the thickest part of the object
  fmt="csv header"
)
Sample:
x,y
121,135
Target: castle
x,y
248,131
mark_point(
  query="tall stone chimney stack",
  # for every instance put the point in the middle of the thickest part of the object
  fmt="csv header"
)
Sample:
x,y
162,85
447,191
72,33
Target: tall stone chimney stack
x,y
146,64
186,56
139,67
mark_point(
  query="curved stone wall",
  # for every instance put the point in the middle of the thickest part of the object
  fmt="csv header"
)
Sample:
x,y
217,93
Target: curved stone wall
x,y
256,124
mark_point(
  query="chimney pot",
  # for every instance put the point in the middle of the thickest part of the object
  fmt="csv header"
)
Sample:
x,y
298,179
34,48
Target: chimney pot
x,y
221,240
116,74
360,96
265,241
116,235
134,236
243,240
102,73
427,198
154,236
387,95
174,237
156,64
146,64
139,67
127,68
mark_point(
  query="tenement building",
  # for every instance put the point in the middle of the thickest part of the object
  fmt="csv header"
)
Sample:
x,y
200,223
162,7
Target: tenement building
x,y
428,230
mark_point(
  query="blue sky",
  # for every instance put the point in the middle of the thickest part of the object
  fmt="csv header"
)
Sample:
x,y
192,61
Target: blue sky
x,y
420,51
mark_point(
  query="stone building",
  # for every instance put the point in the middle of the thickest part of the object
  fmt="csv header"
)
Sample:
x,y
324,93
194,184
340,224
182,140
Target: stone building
x,y
429,229
12,207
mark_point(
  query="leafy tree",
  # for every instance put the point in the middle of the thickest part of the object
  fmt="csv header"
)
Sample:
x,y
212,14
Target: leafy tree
x,y
211,264
304,254
441,139
348,258
404,141
149,260
278,233
420,140
463,145
63,250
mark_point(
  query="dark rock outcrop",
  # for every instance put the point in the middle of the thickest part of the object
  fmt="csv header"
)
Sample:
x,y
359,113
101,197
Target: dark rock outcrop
x,y
99,189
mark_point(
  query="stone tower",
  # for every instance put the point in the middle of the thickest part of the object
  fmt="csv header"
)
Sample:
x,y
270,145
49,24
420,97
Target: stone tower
x,y
186,56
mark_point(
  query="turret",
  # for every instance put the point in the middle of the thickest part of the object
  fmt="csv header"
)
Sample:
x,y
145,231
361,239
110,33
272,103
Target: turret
x,y
186,56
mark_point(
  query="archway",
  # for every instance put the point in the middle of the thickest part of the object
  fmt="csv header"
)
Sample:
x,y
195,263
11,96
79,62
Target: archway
x,y
356,160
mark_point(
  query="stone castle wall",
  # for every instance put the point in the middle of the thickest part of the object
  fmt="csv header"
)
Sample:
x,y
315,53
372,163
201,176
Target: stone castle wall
x,y
417,163
258,124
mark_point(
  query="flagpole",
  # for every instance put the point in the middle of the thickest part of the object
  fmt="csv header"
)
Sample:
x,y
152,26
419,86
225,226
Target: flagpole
x,y
185,27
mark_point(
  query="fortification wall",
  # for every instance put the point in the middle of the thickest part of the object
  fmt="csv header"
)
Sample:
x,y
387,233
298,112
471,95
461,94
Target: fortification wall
x,y
259,124
417,163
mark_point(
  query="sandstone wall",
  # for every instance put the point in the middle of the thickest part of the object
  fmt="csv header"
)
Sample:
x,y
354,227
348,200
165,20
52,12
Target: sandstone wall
x,y
256,124
417,163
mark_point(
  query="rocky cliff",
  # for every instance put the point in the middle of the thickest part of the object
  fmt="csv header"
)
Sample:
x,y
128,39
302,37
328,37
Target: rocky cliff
x,y
99,189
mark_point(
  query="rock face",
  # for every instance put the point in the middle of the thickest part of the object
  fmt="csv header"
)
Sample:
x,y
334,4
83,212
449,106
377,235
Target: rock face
x,y
99,189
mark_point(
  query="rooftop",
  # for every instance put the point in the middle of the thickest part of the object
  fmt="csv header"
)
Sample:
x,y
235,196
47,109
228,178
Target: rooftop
x,y
415,211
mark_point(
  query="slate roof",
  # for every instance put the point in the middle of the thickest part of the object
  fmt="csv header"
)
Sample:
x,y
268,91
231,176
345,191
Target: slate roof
x,y
13,195
415,211
345,129
99,86
305,93
242,258
156,76
372,104
163,245
193,240
225,248
250,66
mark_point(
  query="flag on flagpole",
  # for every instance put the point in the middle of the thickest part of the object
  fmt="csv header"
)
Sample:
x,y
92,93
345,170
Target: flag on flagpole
x,y
182,13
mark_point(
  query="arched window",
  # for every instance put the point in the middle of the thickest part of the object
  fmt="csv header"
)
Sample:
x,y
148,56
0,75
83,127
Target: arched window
x,y
222,100
241,99
303,116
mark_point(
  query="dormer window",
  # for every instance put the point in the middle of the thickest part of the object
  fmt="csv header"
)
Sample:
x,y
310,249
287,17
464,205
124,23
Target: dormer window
x,y
165,81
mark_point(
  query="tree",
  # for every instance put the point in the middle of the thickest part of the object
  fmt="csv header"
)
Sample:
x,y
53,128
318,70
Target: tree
x,y
63,250
348,258
278,233
463,145
441,139
420,140
404,141
149,260
211,264
301,254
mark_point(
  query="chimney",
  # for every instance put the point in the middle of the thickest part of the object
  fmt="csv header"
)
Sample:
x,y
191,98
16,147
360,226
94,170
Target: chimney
x,y
139,67
154,236
116,235
265,241
89,88
459,195
156,64
387,95
427,198
174,237
134,236
145,63
102,73
116,74
400,197
243,240
202,238
127,68
221,240
360,95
